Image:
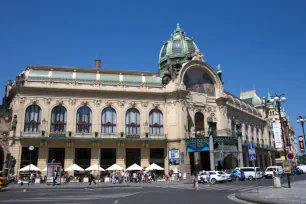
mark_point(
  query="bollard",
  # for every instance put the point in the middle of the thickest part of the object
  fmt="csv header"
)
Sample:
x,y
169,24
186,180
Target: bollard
x,y
277,182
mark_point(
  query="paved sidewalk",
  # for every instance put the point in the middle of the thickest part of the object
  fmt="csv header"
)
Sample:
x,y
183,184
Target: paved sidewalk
x,y
85,185
294,195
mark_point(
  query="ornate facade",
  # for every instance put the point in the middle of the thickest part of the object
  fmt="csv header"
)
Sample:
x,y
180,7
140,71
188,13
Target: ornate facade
x,y
181,118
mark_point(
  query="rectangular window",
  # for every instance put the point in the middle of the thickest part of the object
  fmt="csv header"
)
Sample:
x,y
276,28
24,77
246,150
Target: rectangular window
x,y
25,157
157,156
107,157
57,155
177,47
82,157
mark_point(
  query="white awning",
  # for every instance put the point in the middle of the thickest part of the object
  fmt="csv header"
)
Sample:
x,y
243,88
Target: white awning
x,y
115,167
74,167
134,167
94,167
30,167
154,167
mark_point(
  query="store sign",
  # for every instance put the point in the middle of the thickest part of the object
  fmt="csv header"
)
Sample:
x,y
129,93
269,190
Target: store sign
x,y
197,147
277,135
301,143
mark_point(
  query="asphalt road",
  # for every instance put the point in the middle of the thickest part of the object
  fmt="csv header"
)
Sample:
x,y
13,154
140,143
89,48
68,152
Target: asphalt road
x,y
157,193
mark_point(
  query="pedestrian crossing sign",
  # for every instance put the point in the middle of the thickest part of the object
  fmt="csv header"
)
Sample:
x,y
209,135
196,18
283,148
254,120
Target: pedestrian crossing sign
x,y
252,153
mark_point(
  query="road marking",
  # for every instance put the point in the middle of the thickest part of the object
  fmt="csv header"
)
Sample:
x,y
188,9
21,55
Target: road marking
x,y
116,201
232,197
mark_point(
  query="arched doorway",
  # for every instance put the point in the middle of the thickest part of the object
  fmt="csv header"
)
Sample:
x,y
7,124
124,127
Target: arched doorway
x,y
1,158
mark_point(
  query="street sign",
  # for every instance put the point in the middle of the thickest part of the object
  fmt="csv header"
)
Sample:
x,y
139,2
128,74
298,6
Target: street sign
x,y
252,153
290,155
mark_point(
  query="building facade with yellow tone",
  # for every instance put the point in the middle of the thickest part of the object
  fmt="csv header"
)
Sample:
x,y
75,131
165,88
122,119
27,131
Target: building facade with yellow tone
x,y
180,118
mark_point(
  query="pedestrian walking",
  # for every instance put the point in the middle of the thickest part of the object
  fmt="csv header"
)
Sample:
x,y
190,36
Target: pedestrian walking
x,y
92,178
195,181
55,175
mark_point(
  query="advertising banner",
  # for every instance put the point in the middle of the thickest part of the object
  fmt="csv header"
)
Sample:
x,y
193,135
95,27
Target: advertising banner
x,y
277,135
51,167
301,144
174,157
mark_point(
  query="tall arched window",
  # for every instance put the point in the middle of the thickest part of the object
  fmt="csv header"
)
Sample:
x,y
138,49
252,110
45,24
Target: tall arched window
x,y
156,122
132,120
109,118
32,119
58,119
199,124
84,120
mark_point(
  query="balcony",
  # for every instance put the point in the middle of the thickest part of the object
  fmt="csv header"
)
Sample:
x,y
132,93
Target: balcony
x,y
57,134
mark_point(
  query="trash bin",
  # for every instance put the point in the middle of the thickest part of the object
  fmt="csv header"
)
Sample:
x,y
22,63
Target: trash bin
x,y
277,182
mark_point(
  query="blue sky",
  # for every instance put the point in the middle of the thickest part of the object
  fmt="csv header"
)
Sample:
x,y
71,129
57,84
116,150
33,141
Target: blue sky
x,y
259,44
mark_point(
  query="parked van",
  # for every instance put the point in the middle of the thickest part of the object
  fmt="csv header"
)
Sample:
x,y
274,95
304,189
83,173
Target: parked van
x,y
249,172
303,168
269,173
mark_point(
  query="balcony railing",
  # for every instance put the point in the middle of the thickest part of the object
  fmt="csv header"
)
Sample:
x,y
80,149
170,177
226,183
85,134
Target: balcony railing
x,y
57,134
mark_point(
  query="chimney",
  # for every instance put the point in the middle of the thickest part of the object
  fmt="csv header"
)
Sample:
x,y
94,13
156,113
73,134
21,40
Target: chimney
x,y
97,64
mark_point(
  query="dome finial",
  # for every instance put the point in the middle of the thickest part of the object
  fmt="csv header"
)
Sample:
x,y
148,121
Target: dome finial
x,y
178,26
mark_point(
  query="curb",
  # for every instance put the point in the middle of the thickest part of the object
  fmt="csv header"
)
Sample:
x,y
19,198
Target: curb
x,y
240,196
62,188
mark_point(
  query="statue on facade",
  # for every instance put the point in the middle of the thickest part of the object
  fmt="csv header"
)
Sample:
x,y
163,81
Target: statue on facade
x,y
238,130
197,55
166,78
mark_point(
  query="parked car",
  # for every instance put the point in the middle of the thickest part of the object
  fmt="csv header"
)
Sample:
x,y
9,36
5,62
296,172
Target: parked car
x,y
303,168
249,172
236,174
3,182
269,173
216,176
228,176
202,177
297,171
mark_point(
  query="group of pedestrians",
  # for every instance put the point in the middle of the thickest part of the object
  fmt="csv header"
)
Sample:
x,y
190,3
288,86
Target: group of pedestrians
x,y
133,177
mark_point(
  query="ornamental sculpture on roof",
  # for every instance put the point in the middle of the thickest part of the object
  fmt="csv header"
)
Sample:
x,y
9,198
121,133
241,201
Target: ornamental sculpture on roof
x,y
197,55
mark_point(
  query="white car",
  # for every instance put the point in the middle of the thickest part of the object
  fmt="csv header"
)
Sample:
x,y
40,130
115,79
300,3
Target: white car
x,y
216,176
269,173
202,177
303,168
249,172
228,176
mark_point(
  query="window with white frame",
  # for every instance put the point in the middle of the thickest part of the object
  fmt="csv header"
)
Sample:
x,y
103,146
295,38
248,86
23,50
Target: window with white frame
x,y
32,119
156,122
132,119
84,120
109,119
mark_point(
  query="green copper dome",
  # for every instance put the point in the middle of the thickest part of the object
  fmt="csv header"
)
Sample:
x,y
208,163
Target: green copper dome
x,y
177,50
256,101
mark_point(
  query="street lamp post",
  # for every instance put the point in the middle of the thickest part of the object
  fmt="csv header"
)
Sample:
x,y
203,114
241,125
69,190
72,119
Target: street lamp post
x,y
279,99
301,120
31,148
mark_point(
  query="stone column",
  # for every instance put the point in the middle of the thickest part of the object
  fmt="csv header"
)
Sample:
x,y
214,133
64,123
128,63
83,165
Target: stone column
x,y
197,162
240,154
145,157
263,162
94,156
120,157
211,153
42,157
69,158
